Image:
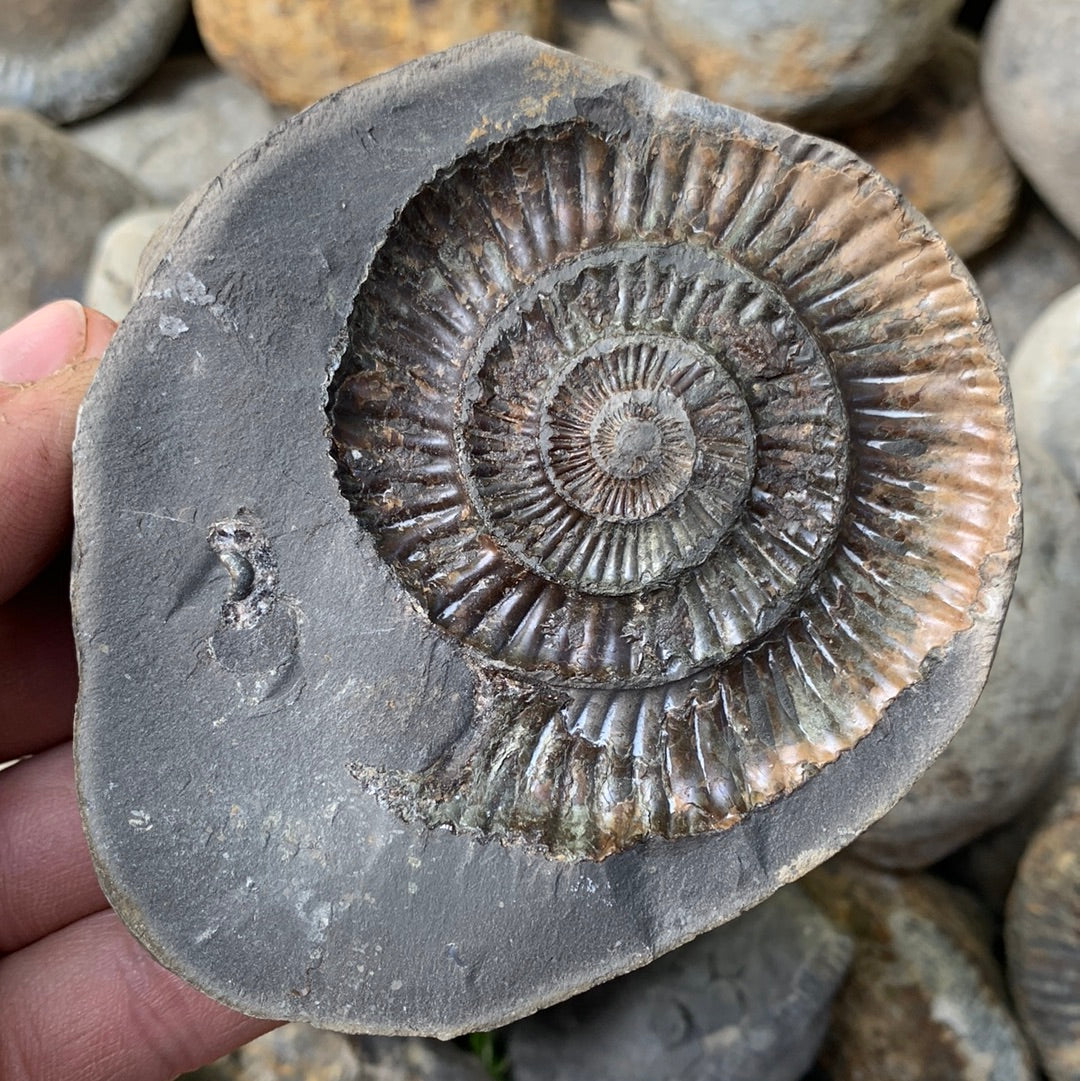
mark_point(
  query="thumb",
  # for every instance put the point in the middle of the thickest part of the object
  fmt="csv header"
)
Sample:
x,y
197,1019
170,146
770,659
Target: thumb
x,y
46,363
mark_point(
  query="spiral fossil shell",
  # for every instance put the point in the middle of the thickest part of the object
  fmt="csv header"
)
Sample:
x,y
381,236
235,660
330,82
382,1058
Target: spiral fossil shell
x,y
632,419
529,516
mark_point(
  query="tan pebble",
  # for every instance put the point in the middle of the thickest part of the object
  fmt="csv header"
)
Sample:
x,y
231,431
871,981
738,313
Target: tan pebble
x,y
1036,261
110,280
1030,80
1045,377
297,53
808,64
924,999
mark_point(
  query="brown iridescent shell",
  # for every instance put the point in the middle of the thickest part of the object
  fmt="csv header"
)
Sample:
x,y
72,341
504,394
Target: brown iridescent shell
x,y
694,443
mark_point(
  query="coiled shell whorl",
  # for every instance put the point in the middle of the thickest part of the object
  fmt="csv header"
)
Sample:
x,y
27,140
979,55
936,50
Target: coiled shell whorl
x,y
69,60
695,452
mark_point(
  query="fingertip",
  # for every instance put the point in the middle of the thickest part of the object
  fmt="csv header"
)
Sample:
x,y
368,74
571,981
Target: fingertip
x,y
43,342
89,1002
52,338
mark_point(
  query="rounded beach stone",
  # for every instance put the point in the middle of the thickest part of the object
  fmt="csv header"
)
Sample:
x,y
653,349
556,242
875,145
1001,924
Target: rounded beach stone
x,y
938,147
1042,940
296,53
68,59
110,281
1045,375
590,29
181,129
987,866
811,65
55,198
440,611
923,999
1009,747
1029,79
1036,261
746,1002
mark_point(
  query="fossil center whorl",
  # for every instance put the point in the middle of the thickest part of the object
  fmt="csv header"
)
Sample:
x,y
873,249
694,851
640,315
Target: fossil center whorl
x,y
622,455
655,428
606,452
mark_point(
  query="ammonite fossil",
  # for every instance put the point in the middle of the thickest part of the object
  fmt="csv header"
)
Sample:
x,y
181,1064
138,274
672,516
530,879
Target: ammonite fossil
x,y
611,503
685,517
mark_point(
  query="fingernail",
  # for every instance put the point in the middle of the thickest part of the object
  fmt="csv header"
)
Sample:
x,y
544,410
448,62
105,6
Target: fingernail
x,y
99,330
43,342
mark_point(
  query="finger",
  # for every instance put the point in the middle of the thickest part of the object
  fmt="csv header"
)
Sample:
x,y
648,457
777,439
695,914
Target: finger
x,y
46,362
88,1003
38,675
48,880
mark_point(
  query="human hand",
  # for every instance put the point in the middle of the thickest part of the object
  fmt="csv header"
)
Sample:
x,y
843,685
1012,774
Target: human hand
x,y
80,999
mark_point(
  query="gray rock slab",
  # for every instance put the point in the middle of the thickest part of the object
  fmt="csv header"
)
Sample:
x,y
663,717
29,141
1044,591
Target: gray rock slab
x,y
1029,80
55,198
110,281
181,129
69,59
746,1002
260,688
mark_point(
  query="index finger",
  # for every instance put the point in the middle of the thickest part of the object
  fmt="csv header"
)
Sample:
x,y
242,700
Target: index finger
x,y
46,363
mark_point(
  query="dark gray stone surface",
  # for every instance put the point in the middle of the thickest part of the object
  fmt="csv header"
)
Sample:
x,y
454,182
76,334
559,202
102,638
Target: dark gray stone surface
x,y
72,58
242,645
746,1002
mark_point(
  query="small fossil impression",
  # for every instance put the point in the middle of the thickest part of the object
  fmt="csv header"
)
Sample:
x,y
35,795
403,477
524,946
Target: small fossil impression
x,y
692,445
